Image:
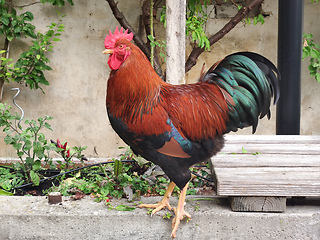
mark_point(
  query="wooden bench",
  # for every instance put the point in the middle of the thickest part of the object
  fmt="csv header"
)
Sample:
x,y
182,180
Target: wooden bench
x,y
258,172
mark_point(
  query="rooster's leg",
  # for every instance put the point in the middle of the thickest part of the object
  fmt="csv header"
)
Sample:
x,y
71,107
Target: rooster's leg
x,y
164,202
180,212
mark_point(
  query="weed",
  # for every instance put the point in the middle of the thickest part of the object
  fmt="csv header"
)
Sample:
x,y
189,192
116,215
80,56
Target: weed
x,y
167,215
149,211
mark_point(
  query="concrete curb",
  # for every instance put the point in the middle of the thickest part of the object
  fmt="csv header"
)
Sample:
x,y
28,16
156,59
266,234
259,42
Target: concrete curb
x,y
34,218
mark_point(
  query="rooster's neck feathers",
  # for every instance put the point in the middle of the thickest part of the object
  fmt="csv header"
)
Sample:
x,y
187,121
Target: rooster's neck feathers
x,y
133,93
135,81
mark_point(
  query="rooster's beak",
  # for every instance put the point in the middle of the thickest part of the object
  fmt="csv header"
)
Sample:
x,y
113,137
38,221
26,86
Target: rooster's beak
x,y
108,51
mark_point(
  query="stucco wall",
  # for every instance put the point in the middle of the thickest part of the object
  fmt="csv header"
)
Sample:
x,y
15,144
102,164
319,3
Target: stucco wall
x,y
76,95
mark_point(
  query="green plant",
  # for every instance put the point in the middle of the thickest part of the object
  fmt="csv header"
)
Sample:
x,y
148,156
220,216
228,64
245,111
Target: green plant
x,y
9,178
100,182
167,215
31,146
59,3
197,207
149,212
196,20
256,19
32,63
124,208
67,154
161,44
29,68
312,50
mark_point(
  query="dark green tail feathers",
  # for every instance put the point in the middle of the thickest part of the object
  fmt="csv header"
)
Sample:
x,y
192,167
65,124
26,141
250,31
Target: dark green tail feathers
x,y
251,80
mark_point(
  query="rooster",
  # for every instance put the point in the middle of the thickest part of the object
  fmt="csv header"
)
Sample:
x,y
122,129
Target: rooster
x,y
177,126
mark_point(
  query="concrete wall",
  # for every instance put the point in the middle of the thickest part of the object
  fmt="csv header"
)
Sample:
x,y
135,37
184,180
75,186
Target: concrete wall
x,y
76,95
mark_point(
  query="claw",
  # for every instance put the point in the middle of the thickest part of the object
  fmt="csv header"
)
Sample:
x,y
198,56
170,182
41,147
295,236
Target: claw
x,y
164,203
157,207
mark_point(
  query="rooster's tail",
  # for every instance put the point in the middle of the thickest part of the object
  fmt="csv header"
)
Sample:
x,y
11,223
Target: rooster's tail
x,y
248,81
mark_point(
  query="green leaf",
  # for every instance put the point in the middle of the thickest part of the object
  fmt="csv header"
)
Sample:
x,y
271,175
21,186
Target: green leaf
x,y
8,140
304,54
124,208
308,35
314,53
5,193
141,161
36,165
5,20
60,3
28,16
20,153
35,178
17,146
48,126
31,33
261,18
151,38
10,37
17,29
117,167
312,69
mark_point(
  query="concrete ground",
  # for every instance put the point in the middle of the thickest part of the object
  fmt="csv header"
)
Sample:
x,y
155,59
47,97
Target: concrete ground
x,y
34,218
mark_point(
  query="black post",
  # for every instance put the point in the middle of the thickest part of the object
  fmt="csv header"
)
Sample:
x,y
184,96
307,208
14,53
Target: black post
x,y
289,64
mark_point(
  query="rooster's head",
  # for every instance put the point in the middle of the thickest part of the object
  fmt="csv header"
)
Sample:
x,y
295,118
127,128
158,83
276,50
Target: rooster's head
x,y
115,45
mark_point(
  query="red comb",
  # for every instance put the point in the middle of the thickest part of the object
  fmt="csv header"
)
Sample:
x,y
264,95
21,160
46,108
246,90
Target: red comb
x,y
111,39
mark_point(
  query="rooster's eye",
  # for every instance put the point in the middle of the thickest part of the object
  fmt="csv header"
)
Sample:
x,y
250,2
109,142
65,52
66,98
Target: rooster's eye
x,y
121,46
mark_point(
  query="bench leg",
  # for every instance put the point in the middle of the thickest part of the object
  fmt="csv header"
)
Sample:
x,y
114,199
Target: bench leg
x,y
258,204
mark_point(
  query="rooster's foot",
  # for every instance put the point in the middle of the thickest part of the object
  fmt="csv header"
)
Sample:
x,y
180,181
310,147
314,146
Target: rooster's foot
x,y
163,203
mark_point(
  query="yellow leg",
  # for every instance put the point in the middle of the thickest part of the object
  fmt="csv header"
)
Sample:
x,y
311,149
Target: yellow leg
x,y
163,203
180,212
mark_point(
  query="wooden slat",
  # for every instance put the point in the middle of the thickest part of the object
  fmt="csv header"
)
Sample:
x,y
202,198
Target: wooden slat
x,y
268,181
280,144
276,139
265,160
271,148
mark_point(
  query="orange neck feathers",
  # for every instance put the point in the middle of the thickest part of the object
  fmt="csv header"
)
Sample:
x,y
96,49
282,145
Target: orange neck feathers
x,y
133,93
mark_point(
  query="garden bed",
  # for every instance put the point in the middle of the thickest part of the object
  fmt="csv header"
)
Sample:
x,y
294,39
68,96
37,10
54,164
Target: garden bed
x,y
103,178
